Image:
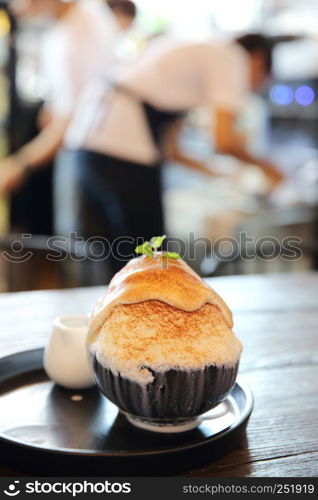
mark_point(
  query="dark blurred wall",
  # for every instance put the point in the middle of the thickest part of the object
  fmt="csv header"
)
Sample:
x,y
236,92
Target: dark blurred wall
x,y
32,206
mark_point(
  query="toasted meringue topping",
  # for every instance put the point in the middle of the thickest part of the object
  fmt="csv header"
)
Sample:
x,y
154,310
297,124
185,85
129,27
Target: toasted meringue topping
x,y
155,335
170,281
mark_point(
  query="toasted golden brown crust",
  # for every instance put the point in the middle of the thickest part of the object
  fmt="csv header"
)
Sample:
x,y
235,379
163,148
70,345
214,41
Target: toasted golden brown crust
x,y
169,281
155,335
159,314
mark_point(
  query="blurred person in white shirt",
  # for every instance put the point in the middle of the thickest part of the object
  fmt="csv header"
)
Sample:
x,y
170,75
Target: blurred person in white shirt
x,y
75,50
125,129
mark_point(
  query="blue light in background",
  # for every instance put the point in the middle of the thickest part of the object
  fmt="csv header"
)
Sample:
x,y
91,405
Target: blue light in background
x,y
281,95
304,95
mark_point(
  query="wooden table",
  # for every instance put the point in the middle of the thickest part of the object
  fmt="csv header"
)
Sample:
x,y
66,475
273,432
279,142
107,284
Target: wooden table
x,y
276,317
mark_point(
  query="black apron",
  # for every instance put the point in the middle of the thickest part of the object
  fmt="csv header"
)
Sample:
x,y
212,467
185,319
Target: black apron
x,y
157,119
123,198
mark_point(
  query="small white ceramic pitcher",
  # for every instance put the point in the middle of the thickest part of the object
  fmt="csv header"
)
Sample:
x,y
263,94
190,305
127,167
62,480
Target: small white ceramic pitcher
x,y
66,359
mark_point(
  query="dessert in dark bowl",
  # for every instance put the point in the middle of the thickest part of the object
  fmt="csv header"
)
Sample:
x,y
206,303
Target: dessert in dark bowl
x,y
162,345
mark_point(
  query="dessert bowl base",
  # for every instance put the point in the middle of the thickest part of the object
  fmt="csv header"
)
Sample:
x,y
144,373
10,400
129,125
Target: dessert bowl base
x,y
166,426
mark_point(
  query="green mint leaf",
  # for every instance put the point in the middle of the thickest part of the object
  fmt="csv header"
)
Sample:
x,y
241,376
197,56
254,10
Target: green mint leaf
x,y
145,249
171,255
156,241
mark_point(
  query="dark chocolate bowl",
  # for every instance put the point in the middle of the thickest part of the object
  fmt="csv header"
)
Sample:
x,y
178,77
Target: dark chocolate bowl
x,y
173,401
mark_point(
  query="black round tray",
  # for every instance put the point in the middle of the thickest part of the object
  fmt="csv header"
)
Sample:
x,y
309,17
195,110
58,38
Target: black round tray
x,y
47,430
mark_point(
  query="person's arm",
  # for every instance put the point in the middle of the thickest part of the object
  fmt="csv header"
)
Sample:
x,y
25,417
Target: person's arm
x,y
172,151
229,141
33,155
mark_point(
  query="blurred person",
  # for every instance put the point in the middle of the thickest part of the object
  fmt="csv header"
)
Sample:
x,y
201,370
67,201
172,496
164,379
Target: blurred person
x,y
75,50
136,124
124,12
123,132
